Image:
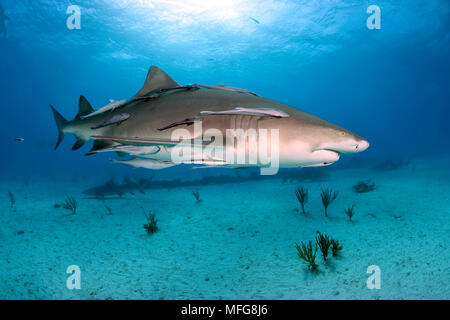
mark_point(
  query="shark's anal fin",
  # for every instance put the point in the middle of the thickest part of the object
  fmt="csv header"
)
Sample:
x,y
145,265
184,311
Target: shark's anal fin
x,y
98,145
78,144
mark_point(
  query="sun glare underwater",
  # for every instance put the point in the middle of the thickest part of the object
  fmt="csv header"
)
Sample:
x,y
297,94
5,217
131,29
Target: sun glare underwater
x,y
343,104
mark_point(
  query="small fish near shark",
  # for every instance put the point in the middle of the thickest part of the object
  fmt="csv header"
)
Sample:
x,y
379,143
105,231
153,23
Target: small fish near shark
x,y
116,119
109,107
164,118
145,163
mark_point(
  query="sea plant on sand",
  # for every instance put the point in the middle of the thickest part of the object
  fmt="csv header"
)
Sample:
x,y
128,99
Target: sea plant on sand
x,y
152,224
308,254
70,204
302,197
328,196
350,212
335,247
12,200
324,243
196,195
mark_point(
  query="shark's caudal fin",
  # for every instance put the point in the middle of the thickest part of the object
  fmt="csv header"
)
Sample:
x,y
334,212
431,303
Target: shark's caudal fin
x,y
156,80
84,108
60,122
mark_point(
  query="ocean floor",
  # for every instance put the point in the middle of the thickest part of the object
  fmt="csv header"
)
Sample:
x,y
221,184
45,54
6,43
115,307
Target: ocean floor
x,y
237,243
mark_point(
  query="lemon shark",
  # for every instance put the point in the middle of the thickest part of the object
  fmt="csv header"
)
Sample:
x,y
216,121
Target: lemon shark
x,y
207,125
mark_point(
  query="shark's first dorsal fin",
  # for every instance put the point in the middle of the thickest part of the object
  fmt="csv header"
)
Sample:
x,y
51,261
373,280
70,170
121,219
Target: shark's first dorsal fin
x,y
84,108
156,80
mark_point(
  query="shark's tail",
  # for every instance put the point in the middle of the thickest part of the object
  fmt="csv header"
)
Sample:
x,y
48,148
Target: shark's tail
x,y
60,122
84,108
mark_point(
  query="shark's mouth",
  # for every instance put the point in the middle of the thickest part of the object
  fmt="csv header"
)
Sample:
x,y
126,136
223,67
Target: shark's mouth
x,y
322,157
329,155
335,152
347,147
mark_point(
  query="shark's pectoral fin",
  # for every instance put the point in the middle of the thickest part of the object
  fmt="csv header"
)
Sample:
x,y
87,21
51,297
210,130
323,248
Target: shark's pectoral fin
x,y
156,80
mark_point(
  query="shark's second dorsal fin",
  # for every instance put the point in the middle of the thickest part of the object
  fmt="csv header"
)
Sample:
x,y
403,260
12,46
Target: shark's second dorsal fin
x,y
84,107
156,80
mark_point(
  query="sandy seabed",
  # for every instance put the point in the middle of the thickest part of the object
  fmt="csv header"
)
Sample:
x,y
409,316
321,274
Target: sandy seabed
x,y
238,243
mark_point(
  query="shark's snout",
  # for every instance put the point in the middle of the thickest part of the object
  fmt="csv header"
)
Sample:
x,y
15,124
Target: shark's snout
x,y
346,146
362,145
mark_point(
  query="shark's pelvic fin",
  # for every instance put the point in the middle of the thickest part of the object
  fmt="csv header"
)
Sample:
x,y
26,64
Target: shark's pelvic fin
x,y
156,80
84,108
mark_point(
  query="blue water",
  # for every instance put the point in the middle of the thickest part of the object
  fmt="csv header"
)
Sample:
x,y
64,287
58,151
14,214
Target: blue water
x,y
391,85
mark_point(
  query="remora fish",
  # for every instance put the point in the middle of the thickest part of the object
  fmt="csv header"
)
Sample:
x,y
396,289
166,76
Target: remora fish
x,y
109,107
145,163
163,106
224,87
132,150
116,119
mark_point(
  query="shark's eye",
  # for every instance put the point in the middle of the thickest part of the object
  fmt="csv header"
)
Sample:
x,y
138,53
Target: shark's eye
x,y
342,133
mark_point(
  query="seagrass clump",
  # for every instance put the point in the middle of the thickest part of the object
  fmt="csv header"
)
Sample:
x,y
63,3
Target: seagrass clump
x,y
308,253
